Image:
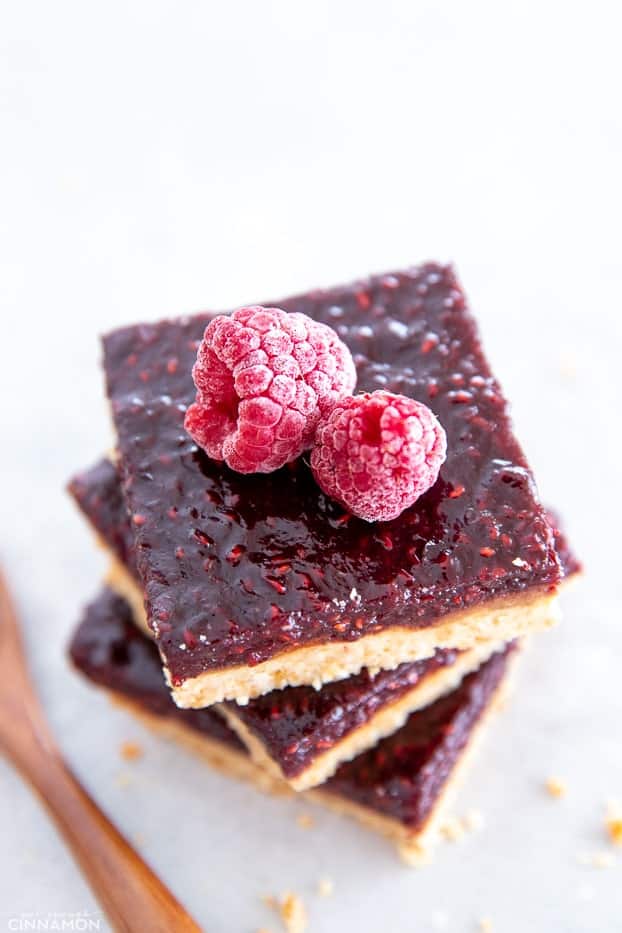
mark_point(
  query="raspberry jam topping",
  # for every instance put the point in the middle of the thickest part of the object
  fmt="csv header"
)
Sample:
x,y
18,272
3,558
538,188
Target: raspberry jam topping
x,y
378,452
255,565
400,778
263,380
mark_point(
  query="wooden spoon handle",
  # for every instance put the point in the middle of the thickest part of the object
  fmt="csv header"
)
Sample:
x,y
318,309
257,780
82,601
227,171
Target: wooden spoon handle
x,y
134,899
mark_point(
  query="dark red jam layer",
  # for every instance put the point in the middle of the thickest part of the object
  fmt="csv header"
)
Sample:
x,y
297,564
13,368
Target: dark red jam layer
x,y
97,492
237,569
111,651
401,778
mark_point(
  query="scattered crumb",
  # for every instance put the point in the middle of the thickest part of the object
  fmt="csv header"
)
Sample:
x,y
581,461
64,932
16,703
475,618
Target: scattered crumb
x,y
263,930
291,909
613,822
130,751
556,787
452,828
123,780
293,913
568,364
325,887
305,820
485,925
596,859
473,820
414,854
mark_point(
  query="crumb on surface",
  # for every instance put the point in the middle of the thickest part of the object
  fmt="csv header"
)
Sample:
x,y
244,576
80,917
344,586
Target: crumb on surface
x,y
293,913
596,859
473,820
485,925
305,820
613,822
452,828
123,780
325,887
556,787
455,828
291,910
568,365
413,853
130,751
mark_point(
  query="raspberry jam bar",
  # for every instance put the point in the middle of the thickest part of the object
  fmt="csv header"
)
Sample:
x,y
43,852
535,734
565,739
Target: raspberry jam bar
x,y
253,582
299,735
397,788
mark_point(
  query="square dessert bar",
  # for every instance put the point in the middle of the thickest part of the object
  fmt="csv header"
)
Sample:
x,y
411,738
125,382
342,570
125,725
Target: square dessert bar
x,y
253,582
299,735
399,788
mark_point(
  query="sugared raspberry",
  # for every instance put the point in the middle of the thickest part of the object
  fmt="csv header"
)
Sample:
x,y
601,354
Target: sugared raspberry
x,y
264,379
377,453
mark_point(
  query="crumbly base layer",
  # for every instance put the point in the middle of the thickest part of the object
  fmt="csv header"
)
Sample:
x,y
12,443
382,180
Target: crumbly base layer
x,y
415,847
386,721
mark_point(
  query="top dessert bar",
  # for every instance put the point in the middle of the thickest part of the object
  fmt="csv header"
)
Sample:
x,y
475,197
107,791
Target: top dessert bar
x,y
258,581
299,734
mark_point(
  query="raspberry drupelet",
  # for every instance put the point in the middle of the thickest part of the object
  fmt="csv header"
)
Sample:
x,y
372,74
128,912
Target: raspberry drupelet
x,y
264,378
377,453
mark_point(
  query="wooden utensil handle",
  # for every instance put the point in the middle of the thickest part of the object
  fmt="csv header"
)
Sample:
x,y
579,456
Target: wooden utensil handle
x,y
134,899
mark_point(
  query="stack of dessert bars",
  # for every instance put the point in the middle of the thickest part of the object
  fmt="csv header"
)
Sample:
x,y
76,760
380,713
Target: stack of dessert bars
x,y
287,641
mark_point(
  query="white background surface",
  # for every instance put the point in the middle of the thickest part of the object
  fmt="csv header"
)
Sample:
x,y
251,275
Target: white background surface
x,y
162,157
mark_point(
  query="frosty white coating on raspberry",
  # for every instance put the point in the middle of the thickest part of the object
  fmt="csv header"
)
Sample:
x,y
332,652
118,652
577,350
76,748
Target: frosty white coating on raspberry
x,y
377,453
264,379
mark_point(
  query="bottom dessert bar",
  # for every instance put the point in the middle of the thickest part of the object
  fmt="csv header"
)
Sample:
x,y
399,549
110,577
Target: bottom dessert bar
x,y
399,788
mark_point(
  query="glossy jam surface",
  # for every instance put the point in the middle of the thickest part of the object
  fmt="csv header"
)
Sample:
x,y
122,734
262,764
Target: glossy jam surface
x,y
401,778
237,569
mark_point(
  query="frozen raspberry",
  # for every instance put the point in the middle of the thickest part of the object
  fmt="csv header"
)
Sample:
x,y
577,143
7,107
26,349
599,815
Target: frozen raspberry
x,y
377,453
264,379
